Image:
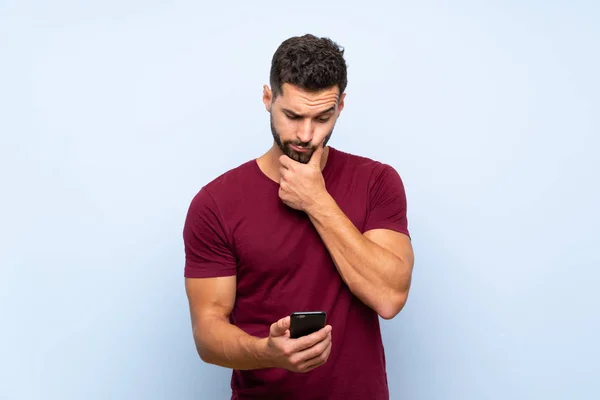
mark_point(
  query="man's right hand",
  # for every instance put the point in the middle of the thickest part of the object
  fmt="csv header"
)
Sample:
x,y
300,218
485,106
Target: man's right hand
x,y
297,355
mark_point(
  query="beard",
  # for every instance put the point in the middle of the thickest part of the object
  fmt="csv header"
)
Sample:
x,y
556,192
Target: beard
x,y
286,148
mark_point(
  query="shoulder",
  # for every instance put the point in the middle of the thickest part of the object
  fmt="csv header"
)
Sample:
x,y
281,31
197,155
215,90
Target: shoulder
x,y
365,166
226,187
230,180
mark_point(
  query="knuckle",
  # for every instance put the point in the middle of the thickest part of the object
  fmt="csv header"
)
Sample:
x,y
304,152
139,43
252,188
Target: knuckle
x,y
324,353
321,350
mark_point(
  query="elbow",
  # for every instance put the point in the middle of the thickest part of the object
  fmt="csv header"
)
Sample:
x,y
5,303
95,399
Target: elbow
x,y
202,353
205,355
204,332
391,307
389,312
201,348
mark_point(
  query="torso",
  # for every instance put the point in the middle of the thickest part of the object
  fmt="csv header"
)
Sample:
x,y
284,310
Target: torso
x,y
283,266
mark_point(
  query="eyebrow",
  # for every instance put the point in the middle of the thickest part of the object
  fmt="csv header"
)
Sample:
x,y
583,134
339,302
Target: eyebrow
x,y
293,114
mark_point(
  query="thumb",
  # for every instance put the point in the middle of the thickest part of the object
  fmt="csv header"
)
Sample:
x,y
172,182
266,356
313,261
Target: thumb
x,y
315,159
280,327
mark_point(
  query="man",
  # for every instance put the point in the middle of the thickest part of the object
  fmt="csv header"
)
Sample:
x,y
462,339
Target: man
x,y
303,227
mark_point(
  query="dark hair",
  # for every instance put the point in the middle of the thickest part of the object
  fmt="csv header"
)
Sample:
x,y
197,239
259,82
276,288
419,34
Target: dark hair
x,y
310,63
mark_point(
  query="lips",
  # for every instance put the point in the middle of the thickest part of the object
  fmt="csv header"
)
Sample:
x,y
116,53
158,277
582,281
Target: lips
x,y
300,149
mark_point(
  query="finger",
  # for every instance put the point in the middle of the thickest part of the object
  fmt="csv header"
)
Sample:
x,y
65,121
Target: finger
x,y
308,341
283,172
315,159
285,161
313,351
318,360
282,186
280,327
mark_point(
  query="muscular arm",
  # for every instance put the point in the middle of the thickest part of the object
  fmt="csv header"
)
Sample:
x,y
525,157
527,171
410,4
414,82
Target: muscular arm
x,y
376,266
217,340
211,301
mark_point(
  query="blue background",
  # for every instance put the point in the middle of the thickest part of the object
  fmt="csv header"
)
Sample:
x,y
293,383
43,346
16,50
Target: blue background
x,y
113,114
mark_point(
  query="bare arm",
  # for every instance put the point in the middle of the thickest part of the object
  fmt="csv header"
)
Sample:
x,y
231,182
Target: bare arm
x,y
376,266
217,340
220,343
211,301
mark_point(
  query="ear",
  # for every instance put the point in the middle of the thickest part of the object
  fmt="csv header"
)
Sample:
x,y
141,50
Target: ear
x,y
341,103
267,97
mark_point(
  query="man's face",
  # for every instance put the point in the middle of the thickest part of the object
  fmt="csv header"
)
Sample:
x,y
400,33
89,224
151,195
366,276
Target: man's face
x,y
302,120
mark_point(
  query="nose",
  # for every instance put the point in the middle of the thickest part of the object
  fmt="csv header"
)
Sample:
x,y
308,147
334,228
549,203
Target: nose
x,y
305,131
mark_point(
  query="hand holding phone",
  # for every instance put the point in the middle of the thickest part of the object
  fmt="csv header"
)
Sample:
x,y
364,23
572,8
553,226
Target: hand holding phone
x,y
300,354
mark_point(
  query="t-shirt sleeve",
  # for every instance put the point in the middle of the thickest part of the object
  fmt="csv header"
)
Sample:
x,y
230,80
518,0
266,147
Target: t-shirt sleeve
x,y
387,202
208,253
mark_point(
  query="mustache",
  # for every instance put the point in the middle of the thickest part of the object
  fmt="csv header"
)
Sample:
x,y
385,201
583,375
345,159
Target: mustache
x,y
300,144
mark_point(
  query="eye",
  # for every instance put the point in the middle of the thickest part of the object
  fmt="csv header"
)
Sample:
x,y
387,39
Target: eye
x,y
292,116
323,120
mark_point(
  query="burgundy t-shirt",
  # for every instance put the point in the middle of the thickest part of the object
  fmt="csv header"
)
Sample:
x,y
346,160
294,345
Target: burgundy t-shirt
x,y
237,225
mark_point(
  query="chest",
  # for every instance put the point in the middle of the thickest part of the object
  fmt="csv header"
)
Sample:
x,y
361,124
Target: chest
x,y
277,245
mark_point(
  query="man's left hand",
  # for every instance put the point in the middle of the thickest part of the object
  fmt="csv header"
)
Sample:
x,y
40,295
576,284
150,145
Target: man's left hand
x,y
301,186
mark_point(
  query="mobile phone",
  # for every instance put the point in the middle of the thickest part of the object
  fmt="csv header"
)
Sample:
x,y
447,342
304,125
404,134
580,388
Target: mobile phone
x,y
304,323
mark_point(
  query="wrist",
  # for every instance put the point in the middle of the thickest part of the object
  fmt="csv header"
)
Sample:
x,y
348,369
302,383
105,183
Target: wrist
x,y
320,204
261,353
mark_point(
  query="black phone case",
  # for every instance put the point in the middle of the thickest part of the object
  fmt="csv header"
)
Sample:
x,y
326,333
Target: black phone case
x,y
305,323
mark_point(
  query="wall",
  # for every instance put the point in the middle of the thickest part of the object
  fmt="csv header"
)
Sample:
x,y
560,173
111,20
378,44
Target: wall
x,y
113,115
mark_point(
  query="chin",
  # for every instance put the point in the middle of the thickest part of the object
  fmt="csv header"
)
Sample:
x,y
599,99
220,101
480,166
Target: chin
x,y
302,158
